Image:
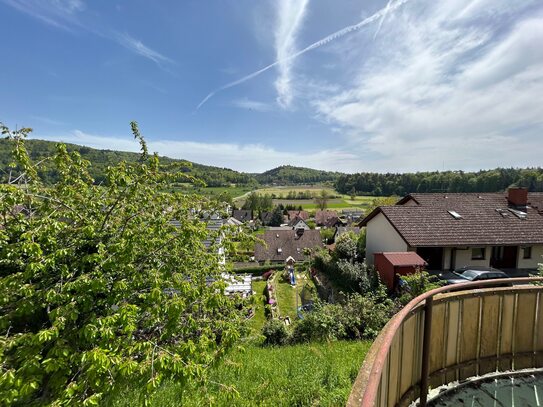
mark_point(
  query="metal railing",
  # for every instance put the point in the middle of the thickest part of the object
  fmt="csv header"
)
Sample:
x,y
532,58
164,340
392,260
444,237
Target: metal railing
x,y
449,334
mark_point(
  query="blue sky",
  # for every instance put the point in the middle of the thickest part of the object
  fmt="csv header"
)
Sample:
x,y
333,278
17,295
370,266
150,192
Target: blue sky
x,y
376,85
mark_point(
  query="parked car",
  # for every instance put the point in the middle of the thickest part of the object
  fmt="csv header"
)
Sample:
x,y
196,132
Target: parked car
x,y
474,273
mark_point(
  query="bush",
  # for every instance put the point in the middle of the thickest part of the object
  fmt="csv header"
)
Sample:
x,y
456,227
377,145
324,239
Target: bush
x,y
275,333
355,318
416,284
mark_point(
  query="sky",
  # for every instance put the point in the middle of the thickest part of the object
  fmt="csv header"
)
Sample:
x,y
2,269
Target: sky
x,y
343,85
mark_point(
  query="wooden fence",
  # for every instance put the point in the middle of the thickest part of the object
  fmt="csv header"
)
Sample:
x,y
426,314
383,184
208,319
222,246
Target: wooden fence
x,y
443,336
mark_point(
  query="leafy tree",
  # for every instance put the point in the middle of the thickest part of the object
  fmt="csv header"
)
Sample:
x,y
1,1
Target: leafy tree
x,y
98,285
322,199
277,217
346,247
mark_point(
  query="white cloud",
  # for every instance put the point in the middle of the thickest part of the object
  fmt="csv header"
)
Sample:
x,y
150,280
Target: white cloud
x,y
67,15
445,86
290,16
141,49
58,13
247,157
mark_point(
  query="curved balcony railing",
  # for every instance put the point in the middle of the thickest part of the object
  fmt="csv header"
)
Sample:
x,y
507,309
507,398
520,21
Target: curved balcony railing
x,y
450,334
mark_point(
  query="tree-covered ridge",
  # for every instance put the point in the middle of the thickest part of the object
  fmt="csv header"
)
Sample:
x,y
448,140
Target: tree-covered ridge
x,y
447,181
102,159
288,174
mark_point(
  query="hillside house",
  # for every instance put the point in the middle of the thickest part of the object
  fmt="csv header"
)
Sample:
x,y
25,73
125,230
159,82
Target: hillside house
x,y
451,230
282,244
298,223
298,214
327,218
243,215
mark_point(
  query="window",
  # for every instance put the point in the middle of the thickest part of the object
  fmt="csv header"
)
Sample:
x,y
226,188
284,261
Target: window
x,y
527,252
455,214
478,253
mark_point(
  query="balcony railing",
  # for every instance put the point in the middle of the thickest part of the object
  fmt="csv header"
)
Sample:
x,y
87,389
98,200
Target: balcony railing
x,y
450,334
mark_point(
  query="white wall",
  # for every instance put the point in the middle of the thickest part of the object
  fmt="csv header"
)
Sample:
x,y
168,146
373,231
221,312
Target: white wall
x,y
382,237
537,257
463,258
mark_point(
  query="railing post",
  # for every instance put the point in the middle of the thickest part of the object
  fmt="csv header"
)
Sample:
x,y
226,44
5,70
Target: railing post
x,y
426,351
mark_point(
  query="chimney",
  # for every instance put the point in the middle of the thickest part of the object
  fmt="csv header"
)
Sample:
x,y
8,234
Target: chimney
x,y
517,196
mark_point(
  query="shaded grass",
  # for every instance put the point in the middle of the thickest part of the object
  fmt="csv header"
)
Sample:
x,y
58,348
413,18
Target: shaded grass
x,y
315,374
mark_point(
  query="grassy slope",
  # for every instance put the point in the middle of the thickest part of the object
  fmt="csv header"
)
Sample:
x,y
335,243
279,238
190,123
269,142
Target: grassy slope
x,y
316,374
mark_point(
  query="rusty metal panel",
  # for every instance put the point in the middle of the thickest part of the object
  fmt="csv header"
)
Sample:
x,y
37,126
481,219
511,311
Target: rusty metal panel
x,y
437,339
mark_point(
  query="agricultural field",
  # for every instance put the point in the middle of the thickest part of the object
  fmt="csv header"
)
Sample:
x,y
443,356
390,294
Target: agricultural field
x,y
337,201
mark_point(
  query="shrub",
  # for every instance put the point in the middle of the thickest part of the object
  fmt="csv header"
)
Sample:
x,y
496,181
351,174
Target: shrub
x,y
275,332
355,318
416,284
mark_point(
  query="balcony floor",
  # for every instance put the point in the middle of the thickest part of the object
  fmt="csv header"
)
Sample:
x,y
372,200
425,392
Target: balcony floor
x,y
515,391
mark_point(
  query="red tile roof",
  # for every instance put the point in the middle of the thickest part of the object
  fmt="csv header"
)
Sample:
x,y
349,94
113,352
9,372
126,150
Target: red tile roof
x,y
402,259
424,220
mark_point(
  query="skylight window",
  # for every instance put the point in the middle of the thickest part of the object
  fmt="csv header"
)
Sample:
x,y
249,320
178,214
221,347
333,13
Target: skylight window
x,y
455,214
518,214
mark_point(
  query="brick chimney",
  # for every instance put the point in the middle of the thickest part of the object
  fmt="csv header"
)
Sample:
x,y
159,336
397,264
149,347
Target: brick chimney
x,y
517,196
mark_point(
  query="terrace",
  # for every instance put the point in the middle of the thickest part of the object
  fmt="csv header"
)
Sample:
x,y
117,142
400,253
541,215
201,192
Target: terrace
x,y
450,340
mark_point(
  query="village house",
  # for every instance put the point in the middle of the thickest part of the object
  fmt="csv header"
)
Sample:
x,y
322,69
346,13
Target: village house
x,y
451,230
243,215
327,218
298,223
298,214
282,244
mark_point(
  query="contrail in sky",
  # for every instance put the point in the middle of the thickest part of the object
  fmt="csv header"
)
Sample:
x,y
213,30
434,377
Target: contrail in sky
x,y
334,36
382,19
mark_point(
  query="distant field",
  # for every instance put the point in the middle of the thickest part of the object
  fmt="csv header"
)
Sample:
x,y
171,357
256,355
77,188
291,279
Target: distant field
x,y
238,194
234,191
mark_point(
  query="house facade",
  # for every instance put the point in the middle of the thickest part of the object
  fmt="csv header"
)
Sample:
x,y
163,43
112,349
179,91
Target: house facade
x,y
451,230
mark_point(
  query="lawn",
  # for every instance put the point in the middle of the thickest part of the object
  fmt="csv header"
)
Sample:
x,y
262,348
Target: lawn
x,y
257,321
315,374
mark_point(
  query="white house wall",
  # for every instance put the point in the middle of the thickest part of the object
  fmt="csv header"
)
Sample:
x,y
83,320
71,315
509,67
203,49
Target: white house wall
x,y
382,237
537,257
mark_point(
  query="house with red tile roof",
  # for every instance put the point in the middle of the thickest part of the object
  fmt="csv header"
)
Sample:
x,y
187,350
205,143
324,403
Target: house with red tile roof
x,y
298,214
327,218
451,230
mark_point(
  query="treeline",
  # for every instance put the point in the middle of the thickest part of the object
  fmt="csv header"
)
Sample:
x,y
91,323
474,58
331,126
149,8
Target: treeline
x,y
101,159
290,175
447,181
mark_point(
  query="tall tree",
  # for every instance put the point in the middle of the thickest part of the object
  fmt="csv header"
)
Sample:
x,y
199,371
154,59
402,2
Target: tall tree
x,y
101,285
322,199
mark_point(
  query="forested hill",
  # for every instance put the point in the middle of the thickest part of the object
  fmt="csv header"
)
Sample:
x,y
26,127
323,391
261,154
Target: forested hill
x,y
447,181
101,159
361,184
287,174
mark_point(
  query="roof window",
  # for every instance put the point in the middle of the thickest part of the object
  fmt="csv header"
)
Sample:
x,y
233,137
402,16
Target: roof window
x,y
279,250
518,214
455,214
